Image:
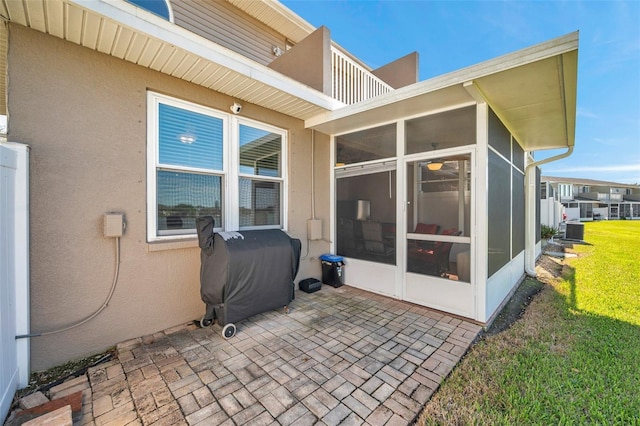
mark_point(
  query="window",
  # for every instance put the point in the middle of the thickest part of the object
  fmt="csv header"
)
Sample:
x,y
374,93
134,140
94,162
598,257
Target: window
x,y
565,190
366,194
205,162
543,190
260,176
440,198
157,7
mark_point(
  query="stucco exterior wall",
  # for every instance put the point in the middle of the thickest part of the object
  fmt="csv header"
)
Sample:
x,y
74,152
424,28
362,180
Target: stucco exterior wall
x,y
309,61
84,115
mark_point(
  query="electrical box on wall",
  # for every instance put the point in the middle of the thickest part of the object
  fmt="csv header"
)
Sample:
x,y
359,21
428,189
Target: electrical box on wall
x,y
314,229
113,225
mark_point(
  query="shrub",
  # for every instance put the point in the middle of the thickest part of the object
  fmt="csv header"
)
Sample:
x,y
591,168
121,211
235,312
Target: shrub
x,y
547,232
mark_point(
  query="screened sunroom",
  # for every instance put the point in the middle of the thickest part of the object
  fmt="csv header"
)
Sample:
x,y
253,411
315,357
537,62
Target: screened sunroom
x,y
430,185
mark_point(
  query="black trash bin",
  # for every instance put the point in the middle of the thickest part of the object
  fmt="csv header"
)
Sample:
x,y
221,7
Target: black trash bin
x,y
332,269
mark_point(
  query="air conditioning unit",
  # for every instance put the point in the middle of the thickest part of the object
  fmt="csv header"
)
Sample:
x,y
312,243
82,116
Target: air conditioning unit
x,y
574,231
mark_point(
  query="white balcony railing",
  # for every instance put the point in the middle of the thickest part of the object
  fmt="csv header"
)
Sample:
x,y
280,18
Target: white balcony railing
x,y
351,82
610,197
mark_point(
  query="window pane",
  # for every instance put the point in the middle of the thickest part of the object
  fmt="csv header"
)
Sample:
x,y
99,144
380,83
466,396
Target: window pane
x,y
366,216
259,203
182,197
366,145
445,130
441,201
189,138
259,152
158,7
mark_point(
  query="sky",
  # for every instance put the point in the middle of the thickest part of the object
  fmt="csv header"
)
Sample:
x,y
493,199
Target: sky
x,y
449,35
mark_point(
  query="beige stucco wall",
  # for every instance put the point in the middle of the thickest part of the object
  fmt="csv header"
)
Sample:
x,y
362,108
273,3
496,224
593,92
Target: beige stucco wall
x,y
84,115
401,72
309,61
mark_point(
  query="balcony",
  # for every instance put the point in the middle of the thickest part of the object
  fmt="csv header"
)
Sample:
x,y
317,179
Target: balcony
x,y
322,65
351,82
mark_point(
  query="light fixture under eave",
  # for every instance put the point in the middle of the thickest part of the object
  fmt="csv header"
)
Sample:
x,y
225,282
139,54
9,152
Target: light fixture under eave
x,y
434,166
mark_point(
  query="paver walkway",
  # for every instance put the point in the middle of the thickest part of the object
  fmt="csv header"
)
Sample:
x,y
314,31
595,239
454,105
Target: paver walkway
x,y
341,356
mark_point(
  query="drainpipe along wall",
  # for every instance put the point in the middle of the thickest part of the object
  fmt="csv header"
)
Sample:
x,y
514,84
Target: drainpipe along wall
x,y
530,214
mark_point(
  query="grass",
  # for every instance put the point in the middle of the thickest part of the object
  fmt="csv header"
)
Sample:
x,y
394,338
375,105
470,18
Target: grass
x,y
574,356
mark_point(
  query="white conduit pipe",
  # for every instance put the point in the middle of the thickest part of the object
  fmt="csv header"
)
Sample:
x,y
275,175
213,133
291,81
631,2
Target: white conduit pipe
x,y
530,214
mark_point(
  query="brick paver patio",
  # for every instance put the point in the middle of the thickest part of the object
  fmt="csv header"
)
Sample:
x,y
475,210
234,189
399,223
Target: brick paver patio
x,y
341,356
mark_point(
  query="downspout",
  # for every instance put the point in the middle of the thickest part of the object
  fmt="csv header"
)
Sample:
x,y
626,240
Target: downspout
x,y
530,215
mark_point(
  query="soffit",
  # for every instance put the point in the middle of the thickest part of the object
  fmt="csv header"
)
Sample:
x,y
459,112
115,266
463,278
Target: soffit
x,y
119,29
285,21
533,91
276,16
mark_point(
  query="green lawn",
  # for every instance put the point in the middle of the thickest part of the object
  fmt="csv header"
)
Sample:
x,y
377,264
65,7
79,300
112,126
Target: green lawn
x,y
574,357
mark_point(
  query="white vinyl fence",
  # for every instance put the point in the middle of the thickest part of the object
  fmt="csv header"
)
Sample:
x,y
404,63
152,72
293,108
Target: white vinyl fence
x,y
551,212
14,271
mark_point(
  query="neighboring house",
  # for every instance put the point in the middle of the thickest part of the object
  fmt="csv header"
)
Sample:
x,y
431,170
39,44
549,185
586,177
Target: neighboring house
x,y
244,111
588,199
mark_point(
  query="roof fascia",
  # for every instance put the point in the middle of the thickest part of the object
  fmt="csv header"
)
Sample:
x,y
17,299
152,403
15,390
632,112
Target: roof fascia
x,y
586,182
554,47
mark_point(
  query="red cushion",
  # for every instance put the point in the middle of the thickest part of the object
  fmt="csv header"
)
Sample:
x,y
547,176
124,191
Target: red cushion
x,y
426,228
451,231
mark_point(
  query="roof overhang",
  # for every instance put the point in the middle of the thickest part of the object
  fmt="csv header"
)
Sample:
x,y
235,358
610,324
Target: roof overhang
x,y
122,30
277,16
533,91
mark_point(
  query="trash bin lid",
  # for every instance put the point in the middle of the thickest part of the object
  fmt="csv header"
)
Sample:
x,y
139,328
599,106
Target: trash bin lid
x,y
328,257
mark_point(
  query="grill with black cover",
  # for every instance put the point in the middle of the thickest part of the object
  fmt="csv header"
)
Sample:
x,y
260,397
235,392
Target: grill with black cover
x,y
244,273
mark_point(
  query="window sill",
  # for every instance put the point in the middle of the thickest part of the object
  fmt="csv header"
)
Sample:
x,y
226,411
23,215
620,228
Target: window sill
x,y
172,245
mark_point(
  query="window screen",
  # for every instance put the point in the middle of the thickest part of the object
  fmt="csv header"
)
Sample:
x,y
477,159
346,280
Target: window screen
x,y
182,197
518,212
499,212
499,136
192,158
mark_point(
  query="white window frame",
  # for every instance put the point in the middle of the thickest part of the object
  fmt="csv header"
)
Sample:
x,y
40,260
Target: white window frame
x,y
234,182
230,171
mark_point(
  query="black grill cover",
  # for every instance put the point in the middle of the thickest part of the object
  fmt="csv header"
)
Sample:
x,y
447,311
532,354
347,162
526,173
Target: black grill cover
x,y
247,272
